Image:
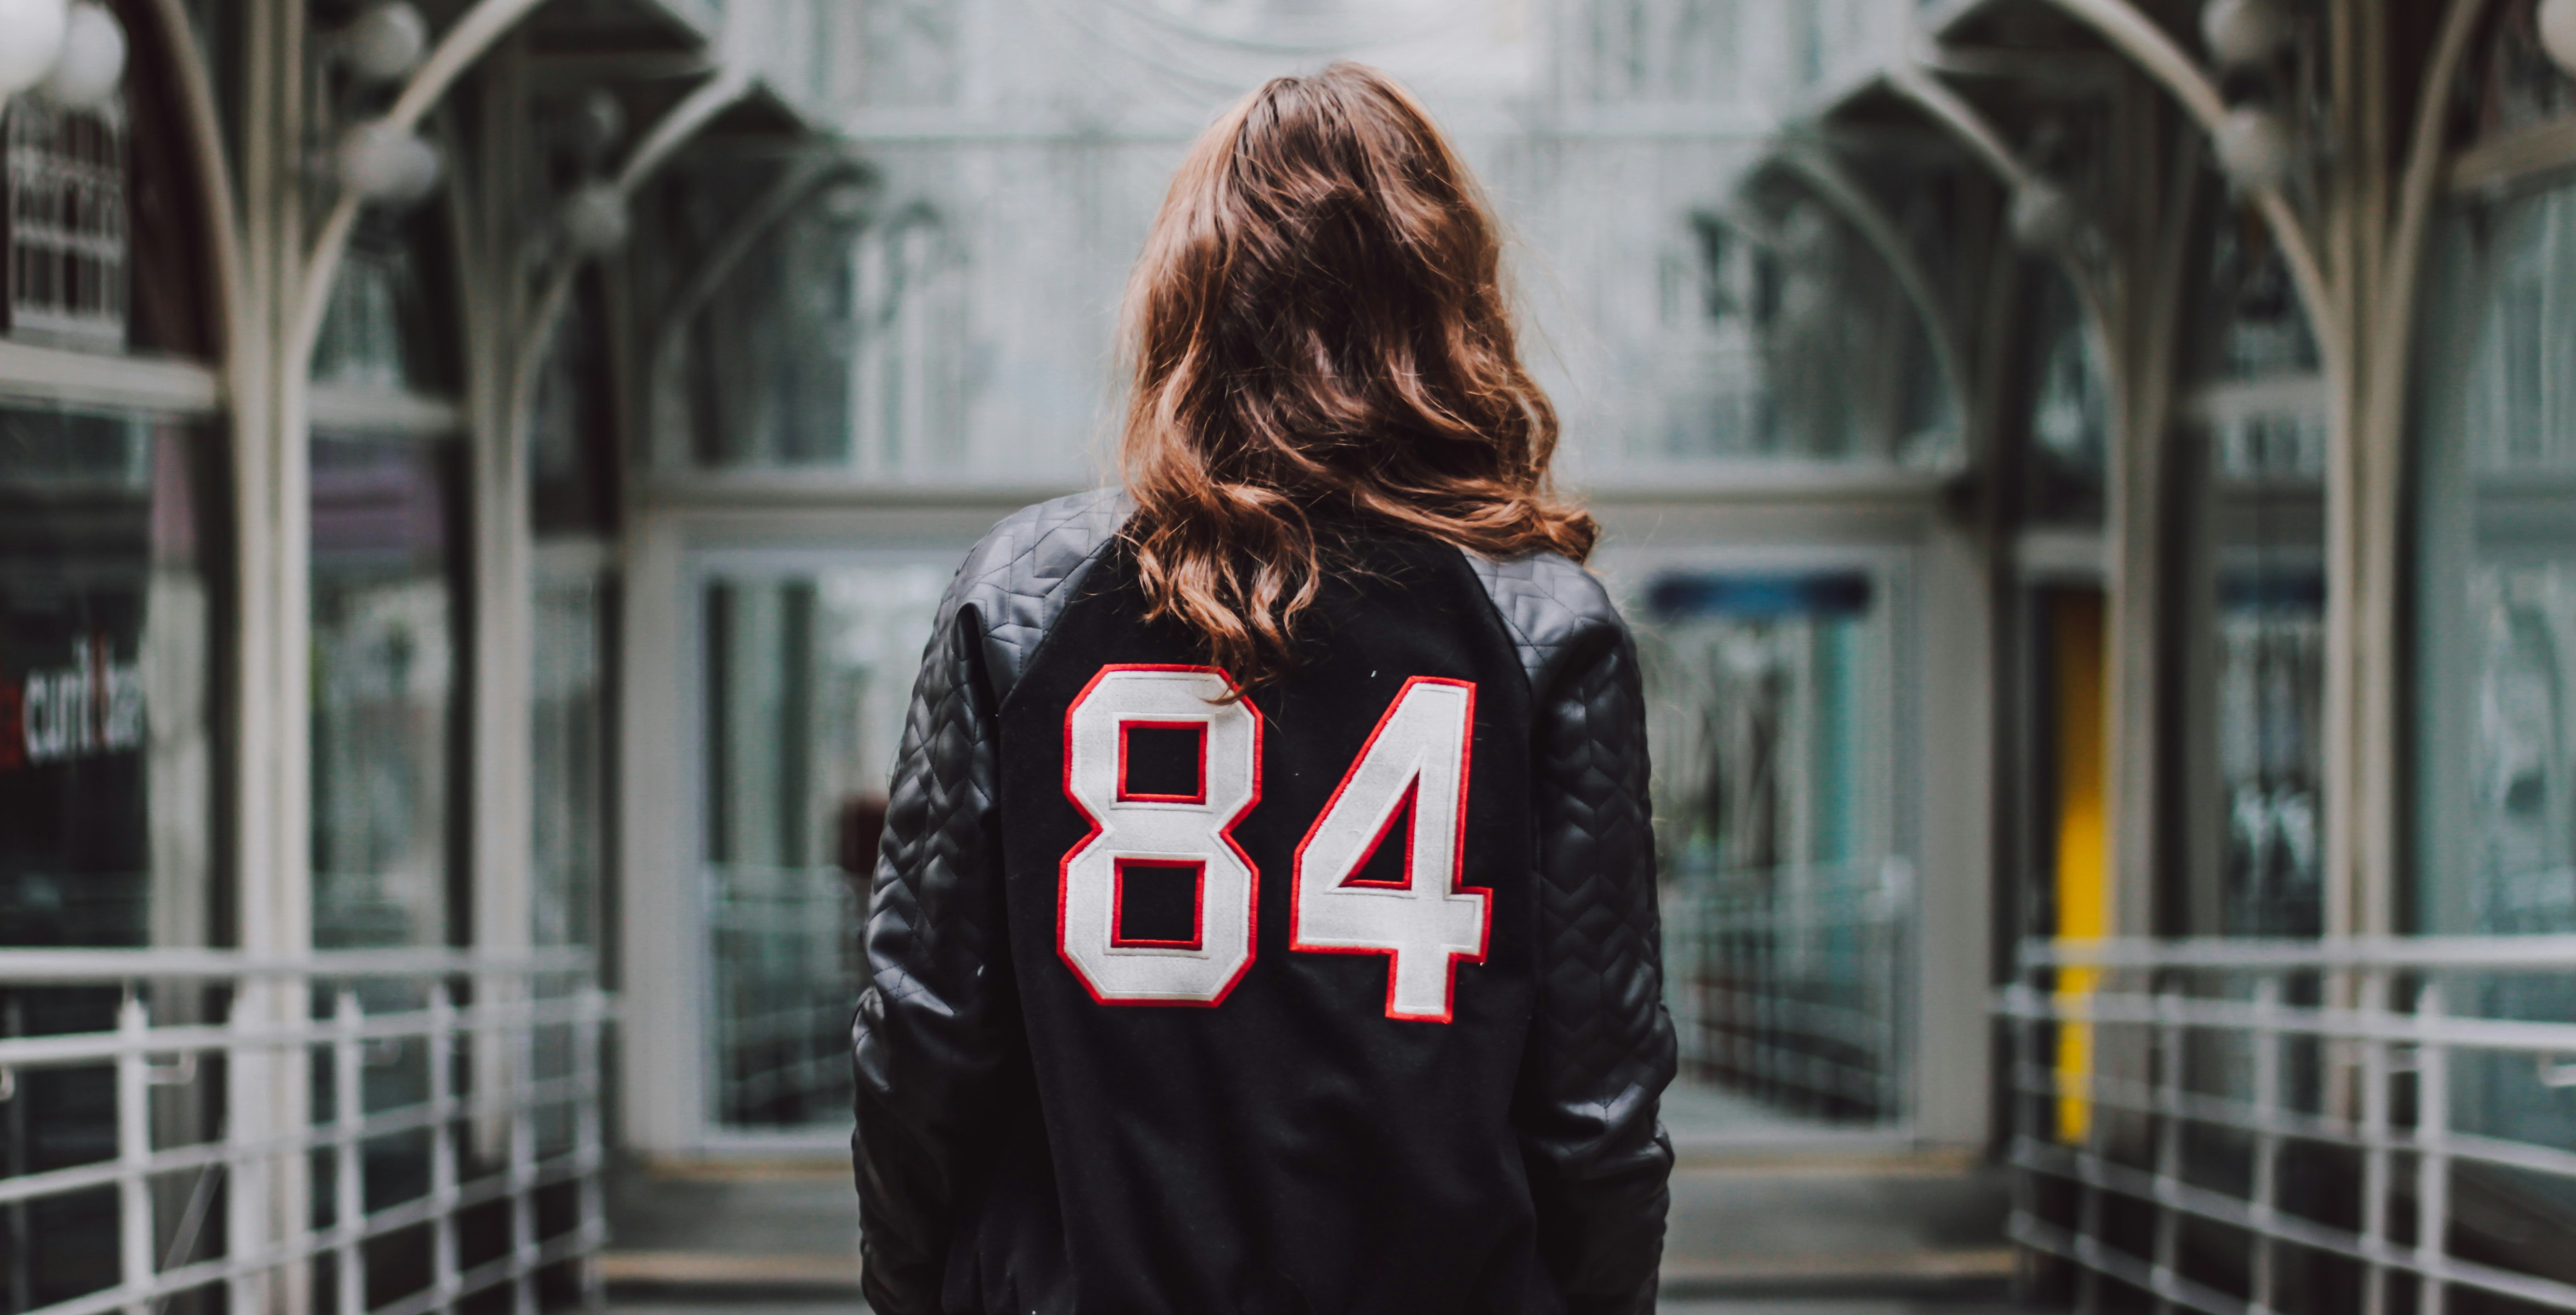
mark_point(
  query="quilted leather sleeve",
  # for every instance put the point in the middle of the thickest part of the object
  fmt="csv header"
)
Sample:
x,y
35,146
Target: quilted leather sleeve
x,y
1601,1047
937,1033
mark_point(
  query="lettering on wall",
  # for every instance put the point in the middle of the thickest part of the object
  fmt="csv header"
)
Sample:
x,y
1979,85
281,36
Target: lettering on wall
x,y
90,708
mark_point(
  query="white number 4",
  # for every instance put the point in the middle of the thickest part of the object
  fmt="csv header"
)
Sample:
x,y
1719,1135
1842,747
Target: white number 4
x,y
1412,775
1408,787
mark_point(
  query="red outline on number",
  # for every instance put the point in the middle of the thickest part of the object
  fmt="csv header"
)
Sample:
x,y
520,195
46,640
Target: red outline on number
x,y
1405,804
1127,796
1457,856
1064,866
1118,940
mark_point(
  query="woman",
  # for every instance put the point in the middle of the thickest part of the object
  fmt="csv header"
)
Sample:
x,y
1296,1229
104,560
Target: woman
x,y
1266,917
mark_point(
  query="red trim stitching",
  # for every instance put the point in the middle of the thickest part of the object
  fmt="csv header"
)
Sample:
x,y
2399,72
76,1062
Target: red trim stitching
x,y
1126,796
1118,936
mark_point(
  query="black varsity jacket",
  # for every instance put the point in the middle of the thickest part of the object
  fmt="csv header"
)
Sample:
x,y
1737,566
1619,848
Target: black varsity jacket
x,y
1342,997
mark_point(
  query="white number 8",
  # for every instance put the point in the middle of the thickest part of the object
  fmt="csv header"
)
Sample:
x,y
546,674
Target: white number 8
x,y
1412,774
1161,830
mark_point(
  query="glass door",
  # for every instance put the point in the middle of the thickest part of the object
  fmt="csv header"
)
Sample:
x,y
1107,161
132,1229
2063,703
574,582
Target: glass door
x,y
806,666
1773,715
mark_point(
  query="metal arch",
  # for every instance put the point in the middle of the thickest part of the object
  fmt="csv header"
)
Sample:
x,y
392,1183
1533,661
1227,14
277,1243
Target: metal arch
x,y
1908,78
470,39
1950,110
1838,189
2135,35
672,131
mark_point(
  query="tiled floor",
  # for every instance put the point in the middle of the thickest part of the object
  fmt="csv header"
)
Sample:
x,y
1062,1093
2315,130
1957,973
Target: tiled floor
x,y
1770,1217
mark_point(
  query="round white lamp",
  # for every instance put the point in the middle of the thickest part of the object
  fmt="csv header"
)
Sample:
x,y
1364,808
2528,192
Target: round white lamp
x,y
382,163
386,42
92,63
2043,216
599,122
595,219
31,35
2254,147
2558,32
2245,33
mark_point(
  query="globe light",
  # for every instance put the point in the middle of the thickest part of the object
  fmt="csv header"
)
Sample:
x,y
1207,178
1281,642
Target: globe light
x,y
2254,147
598,123
2244,33
385,164
386,42
91,65
595,219
2558,32
31,35
2043,216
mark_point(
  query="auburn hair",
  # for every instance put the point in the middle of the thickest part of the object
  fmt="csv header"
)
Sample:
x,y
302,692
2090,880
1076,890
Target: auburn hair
x,y
1318,329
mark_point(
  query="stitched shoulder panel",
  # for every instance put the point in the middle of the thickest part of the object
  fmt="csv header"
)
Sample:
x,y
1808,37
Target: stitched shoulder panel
x,y
1548,605
1028,569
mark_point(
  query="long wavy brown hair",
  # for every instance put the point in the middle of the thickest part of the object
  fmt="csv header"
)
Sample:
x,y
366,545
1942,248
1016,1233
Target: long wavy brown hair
x,y
1318,332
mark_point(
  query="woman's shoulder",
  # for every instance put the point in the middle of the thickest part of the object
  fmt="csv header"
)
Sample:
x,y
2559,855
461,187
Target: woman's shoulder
x,y
1018,579
1550,605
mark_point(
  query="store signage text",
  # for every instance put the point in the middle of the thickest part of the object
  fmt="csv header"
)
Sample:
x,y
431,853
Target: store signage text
x,y
88,709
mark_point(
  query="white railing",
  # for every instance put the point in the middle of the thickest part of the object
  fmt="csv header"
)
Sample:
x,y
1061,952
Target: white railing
x,y
1785,985
278,1087
2252,1126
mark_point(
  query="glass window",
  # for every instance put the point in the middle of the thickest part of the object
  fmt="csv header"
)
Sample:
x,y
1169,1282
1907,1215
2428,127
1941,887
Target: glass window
x,y
572,444
107,627
2065,475
390,323
69,234
807,679
569,710
2251,524
2495,593
387,716
773,352
1770,717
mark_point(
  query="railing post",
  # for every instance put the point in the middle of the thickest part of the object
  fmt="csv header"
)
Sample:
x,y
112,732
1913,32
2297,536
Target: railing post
x,y
2264,1280
2433,1161
349,1183
134,1151
520,1079
2376,1188
248,1204
588,1153
442,1152
2089,1156
2028,1101
2168,1124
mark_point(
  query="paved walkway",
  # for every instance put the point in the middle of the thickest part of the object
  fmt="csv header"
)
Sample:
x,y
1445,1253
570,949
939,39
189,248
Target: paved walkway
x,y
1770,1217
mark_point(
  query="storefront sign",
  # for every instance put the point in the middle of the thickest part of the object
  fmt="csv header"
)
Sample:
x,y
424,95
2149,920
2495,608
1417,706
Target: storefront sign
x,y
89,708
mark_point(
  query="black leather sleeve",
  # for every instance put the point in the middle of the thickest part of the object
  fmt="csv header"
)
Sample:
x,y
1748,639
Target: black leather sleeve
x,y
938,1031
1601,1047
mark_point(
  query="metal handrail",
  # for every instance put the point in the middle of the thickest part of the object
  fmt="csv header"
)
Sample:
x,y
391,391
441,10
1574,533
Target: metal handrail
x,y
498,1130
2126,1046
